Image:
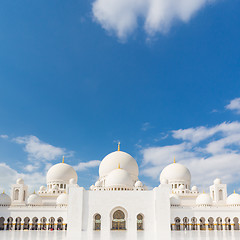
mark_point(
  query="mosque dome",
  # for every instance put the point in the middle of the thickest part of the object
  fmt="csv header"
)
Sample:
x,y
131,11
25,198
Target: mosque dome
x,y
98,184
204,199
5,200
233,200
182,187
73,181
164,181
126,161
217,181
62,199
34,200
119,178
20,181
138,184
61,172
174,200
42,188
176,172
194,189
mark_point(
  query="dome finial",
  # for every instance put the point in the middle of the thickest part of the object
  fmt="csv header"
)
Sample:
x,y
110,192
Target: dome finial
x,y
234,191
119,166
3,192
34,192
119,146
174,160
203,191
63,159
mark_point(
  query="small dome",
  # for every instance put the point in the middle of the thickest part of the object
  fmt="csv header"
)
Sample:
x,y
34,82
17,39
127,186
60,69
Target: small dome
x,y
164,181
204,199
119,178
138,184
91,187
61,172
62,199
217,181
174,200
176,172
127,162
42,188
34,200
20,181
55,187
5,200
233,200
72,181
194,189
98,184
182,187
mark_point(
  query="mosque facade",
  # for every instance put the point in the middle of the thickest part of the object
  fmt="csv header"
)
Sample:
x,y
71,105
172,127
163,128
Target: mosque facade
x,y
119,201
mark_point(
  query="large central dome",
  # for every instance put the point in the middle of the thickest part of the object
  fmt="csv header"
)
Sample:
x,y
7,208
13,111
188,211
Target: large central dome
x,y
61,172
112,160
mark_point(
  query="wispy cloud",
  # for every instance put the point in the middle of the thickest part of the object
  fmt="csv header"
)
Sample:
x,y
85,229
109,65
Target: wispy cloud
x,y
82,166
234,105
39,150
122,16
146,126
4,136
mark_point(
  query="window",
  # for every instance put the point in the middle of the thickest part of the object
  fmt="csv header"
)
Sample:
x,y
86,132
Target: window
x,y
16,195
97,222
118,222
139,222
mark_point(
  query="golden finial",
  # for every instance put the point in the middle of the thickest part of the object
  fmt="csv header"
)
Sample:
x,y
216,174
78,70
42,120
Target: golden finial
x,y
3,192
119,146
119,166
63,159
34,192
234,191
203,191
174,161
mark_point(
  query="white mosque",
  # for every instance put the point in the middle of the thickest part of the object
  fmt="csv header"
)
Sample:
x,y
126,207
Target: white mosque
x,y
119,201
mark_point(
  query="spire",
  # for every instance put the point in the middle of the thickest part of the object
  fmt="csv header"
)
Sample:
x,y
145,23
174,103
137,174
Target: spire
x,y
174,161
63,159
119,146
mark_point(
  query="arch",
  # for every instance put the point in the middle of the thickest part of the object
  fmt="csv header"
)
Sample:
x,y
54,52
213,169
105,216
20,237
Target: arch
x,y
177,221
43,223
97,222
210,223
51,223
220,194
60,223
9,223
18,223
194,223
35,223
118,219
26,221
227,223
219,223
140,221
185,223
202,223
16,194
236,223
2,219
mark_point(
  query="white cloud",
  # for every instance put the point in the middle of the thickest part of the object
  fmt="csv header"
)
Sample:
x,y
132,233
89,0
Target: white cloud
x,y
146,126
201,133
85,165
234,105
123,16
218,157
38,150
4,136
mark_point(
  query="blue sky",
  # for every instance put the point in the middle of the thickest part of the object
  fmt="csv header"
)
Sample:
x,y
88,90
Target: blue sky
x,y
78,76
